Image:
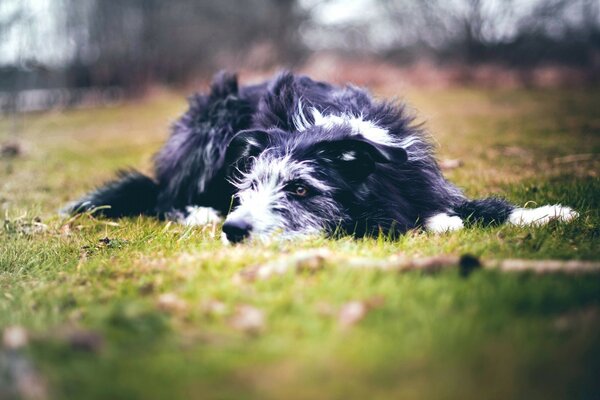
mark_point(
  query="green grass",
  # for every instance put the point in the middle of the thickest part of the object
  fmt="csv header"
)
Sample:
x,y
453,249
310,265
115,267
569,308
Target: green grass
x,y
490,335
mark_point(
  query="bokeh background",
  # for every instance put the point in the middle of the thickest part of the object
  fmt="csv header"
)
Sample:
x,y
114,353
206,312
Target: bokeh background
x,y
145,309
103,50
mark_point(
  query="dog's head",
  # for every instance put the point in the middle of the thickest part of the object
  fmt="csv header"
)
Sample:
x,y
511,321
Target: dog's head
x,y
300,183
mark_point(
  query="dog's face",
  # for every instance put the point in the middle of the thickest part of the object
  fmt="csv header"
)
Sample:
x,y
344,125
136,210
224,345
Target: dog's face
x,y
290,185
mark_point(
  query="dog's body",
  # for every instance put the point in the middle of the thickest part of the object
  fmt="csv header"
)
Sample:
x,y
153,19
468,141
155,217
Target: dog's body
x,y
296,157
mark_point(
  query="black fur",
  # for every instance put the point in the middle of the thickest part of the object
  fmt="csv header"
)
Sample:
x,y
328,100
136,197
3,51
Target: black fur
x,y
485,211
372,185
130,194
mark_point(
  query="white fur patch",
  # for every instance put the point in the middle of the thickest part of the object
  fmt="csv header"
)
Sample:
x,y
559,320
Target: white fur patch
x,y
443,222
368,129
263,197
258,206
348,156
224,239
200,216
274,171
541,215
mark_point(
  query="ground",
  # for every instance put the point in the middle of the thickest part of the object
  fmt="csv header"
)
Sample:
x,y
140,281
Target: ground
x,y
150,310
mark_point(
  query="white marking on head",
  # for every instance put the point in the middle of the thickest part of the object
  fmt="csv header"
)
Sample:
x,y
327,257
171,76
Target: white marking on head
x,y
257,205
262,193
269,170
409,141
359,125
348,156
541,215
299,119
368,129
442,222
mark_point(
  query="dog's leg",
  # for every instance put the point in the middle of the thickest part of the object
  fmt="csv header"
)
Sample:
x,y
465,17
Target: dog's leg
x,y
489,211
129,195
201,216
498,211
442,222
541,215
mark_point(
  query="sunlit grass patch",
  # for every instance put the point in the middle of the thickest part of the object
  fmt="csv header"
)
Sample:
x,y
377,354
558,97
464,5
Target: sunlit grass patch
x,y
139,308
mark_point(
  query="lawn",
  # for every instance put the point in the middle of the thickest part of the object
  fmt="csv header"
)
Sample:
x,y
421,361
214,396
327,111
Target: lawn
x,y
141,309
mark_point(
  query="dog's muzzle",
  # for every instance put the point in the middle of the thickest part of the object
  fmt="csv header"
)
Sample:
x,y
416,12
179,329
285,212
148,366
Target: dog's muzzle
x,y
236,230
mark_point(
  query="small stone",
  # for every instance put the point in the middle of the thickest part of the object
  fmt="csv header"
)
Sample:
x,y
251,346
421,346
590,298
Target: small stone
x,y
450,164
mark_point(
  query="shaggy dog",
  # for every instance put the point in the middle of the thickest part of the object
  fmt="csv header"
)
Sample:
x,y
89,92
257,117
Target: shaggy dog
x,y
292,157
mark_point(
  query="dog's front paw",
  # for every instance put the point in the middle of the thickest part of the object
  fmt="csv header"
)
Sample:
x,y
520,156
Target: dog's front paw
x,y
201,216
442,222
541,215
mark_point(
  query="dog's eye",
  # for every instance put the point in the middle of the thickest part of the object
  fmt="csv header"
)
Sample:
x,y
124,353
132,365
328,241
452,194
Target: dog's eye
x,y
301,191
298,190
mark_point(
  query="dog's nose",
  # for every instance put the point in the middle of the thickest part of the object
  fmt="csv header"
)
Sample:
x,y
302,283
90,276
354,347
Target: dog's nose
x,y
237,230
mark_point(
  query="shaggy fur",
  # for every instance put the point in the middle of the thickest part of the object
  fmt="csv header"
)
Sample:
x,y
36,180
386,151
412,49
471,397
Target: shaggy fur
x,y
292,156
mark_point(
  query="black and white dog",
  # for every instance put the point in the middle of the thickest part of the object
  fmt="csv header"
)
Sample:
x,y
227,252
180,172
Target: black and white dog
x,y
292,157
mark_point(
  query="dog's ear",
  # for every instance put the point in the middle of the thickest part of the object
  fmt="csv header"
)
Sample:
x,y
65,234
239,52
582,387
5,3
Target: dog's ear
x,y
244,145
356,158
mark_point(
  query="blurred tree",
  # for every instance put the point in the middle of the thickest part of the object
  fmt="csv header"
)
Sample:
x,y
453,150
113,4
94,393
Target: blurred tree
x,y
132,42
508,31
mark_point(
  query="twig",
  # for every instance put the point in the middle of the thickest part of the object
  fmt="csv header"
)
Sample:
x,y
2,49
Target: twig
x,y
315,260
546,266
576,158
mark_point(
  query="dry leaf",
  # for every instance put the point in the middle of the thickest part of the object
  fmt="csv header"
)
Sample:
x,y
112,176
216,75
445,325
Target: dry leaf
x,y
171,303
515,151
214,307
11,149
304,260
375,302
65,230
248,319
351,313
325,309
82,340
311,260
354,311
450,164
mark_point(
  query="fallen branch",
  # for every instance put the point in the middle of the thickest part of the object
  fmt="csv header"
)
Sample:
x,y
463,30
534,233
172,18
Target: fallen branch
x,y
574,158
547,266
314,260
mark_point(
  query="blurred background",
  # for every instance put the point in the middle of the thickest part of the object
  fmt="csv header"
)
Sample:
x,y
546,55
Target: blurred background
x,y
73,53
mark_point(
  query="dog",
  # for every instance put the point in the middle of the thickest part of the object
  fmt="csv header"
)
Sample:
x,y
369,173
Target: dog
x,y
293,157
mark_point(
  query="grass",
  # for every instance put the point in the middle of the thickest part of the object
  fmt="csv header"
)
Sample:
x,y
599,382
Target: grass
x,y
100,326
